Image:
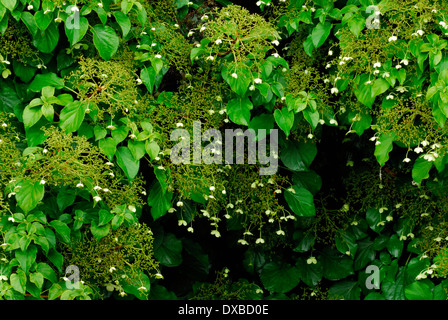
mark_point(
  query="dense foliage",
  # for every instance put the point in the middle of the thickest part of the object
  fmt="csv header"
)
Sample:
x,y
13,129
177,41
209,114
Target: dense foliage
x,y
93,205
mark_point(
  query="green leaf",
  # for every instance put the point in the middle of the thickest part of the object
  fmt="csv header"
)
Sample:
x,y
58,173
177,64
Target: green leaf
x,y
26,258
421,169
9,4
357,24
365,254
284,119
279,277
345,290
335,266
379,87
363,91
238,110
62,230
104,217
46,271
75,35
240,84
46,41
159,201
298,156
152,149
384,147
99,231
419,290
310,274
43,20
29,195
56,258
308,180
320,33
301,202
148,77
127,162
108,146
395,246
18,281
46,80
31,116
72,115
105,40
169,251
37,278
123,21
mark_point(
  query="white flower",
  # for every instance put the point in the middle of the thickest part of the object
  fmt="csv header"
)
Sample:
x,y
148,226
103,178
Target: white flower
x,y
131,208
252,88
322,121
275,55
171,210
190,229
112,269
139,81
97,198
210,58
376,71
275,42
110,127
398,66
259,3
406,159
158,56
377,65
202,28
159,276
30,7
243,242
204,17
334,90
435,145
386,75
218,41
80,185
280,232
142,288
420,32
310,136
259,240
100,4
11,219
405,62
182,223
330,52
215,233
311,260
234,75
429,157
223,192
393,38
278,191
97,188
258,80
212,188
74,9
389,97
179,124
333,121
418,150
180,204
42,182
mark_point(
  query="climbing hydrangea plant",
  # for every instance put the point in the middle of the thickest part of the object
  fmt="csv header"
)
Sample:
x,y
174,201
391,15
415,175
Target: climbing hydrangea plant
x,y
351,94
